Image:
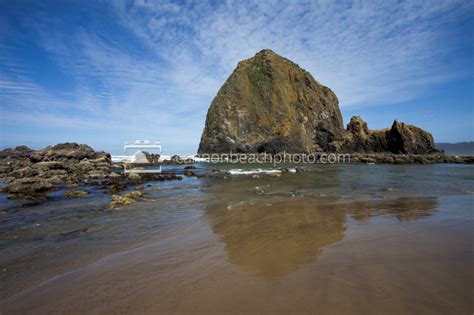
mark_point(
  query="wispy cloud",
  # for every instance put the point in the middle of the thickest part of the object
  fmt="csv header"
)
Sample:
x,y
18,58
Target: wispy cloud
x,y
369,52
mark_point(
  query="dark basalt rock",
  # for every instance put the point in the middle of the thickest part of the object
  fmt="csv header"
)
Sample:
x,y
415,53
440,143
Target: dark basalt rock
x,y
32,185
32,173
276,145
14,158
408,139
152,158
17,152
68,151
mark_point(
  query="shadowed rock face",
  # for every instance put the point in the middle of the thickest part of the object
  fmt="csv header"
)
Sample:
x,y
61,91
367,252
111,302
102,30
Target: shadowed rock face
x,y
270,104
405,138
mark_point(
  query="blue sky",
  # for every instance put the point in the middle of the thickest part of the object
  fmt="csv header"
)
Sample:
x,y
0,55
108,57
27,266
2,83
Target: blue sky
x,y
105,72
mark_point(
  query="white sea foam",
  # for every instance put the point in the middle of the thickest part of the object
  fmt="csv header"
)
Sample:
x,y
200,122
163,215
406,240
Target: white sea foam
x,y
239,204
238,171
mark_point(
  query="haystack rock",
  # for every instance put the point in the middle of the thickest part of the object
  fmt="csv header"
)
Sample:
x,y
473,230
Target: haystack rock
x,y
269,104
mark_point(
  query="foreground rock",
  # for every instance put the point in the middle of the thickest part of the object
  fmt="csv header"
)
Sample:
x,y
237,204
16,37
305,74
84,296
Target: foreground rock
x,y
30,188
270,104
76,193
30,173
119,201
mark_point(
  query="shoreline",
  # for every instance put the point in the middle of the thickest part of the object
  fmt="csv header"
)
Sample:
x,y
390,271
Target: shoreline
x,y
30,175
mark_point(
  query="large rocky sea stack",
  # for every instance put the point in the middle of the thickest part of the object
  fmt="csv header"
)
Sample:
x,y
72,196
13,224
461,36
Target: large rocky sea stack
x,y
269,104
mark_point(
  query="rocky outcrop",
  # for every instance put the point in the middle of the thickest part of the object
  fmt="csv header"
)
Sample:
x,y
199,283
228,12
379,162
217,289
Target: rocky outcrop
x,y
176,159
14,158
401,138
397,158
17,152
118,201
270,104
67,151
153,158
358,138
407,139
31,173
32,185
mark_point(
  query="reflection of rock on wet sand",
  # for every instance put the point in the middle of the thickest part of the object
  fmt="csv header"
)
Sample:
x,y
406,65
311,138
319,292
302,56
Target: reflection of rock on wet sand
x,y
271,241
403,209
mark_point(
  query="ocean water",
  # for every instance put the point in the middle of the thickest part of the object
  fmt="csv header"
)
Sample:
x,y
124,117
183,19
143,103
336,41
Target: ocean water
x,y
329,239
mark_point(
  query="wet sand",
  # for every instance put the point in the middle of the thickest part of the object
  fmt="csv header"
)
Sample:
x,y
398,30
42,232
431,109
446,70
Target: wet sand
x,y
268,252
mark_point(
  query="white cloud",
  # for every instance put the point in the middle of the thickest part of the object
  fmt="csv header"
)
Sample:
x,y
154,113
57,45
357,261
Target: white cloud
x,y
369,52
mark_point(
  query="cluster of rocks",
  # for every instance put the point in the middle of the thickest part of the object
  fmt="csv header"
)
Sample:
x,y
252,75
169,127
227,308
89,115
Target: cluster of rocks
x,y
176,159
401,138
143,157
269,104
390,158
345,158
30,174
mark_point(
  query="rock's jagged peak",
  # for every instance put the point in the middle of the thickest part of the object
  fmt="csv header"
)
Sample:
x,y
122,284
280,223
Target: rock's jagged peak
x,y
357,125
268,57
265,54
269,54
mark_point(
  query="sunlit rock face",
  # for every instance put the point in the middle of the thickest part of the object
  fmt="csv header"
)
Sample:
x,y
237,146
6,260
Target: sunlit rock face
x,y
270,104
